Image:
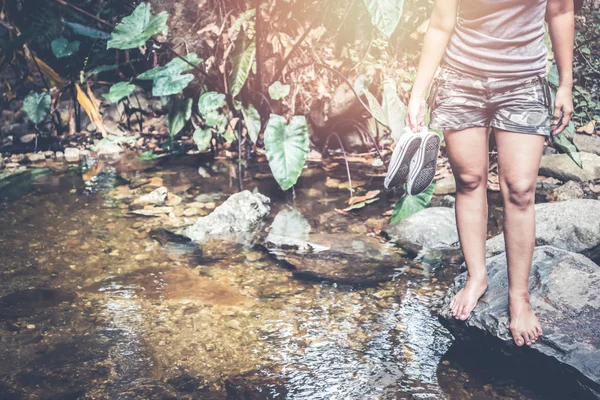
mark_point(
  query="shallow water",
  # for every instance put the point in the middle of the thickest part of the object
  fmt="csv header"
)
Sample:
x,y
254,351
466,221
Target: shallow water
x,y
92,307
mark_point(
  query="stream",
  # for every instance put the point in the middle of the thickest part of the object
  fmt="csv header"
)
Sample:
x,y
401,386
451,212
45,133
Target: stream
x,y
92,307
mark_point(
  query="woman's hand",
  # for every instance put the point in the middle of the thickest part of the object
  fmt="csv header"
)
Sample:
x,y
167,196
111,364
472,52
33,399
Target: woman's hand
x,y
415,113
563,109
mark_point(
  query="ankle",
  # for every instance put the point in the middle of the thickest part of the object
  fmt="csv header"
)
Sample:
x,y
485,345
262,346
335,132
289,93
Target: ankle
x,y
518,296
477,279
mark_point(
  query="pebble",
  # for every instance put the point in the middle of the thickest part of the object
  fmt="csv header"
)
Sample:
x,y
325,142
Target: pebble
x,y
190,212
72,155
30,326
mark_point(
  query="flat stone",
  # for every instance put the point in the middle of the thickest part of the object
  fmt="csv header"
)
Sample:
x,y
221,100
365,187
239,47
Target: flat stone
x,y
587,143
564,295
445,185
156,197
339,257
562,167
71,155
572,225
569,191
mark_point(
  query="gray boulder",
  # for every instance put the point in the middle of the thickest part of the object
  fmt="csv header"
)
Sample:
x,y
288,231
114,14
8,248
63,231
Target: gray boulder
x,y
560,166
564,294
587,143
236,220
572,225
432,229
339,257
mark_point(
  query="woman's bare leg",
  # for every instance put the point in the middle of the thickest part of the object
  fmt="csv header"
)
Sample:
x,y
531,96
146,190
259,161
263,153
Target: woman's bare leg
x,y
468,155
519,158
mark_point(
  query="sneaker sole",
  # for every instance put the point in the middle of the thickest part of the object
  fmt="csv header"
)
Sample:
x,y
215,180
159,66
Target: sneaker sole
x,y
400,162
425,166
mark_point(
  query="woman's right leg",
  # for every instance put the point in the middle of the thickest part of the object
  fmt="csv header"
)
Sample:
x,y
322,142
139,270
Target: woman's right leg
x,y
468,155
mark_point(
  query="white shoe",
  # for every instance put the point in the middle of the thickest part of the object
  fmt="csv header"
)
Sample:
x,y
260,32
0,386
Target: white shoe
x,y
406,148
424,163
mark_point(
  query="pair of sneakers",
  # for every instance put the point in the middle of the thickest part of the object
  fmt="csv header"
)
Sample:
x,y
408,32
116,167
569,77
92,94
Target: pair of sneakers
x,y
413,161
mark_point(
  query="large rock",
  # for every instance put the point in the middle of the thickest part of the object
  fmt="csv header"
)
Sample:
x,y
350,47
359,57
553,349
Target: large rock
x,y
339,257
237,219
562,167
587,143
564,294
572,225
433,228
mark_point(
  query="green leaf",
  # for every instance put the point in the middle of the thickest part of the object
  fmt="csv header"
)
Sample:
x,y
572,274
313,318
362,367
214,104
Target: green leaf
x,y
210,101
252,119
362,83
278,91
170,81
362,204
119,91
553,76
214,118
37,106
385,14
376,109
176,63
241,69
287,148
135,30
393,108
104,68
408,205
62,48
83,30
180,111
202,138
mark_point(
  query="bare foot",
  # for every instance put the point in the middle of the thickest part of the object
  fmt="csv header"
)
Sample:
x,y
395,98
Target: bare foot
x,y
466,299
524,325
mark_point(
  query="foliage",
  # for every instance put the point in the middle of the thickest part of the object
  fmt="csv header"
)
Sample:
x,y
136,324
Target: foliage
x,y
202,138
408,205
135,30
180,111
37,106
287,148
119,91
277,90
61,47
385,14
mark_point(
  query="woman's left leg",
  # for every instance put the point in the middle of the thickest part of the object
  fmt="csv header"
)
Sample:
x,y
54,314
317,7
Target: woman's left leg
x,y
519,156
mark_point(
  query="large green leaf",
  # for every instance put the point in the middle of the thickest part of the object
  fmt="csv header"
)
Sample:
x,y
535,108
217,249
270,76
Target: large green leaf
x,y
119,91
385,14
61,47
252,118
376,108
393,108
202,138
241,69
37,106
176,63
180,111
287,148
277,90
170,81
408,205
564,140
137,28
209,102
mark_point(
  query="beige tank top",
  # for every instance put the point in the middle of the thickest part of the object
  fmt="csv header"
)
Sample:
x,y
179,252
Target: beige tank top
x,y
499,38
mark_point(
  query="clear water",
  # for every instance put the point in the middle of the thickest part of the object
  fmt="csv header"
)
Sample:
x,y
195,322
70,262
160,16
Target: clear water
x,y
92,307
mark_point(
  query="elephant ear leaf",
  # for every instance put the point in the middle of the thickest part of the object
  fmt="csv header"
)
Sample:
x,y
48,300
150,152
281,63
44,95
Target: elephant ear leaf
x,y
287,147
37,106
135,30
408,205
119,91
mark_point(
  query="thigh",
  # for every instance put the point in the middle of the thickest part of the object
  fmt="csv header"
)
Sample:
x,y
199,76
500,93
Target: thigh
x,y
519,156
467,151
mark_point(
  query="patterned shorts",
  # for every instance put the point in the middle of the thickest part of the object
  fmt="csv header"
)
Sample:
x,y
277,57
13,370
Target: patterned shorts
x,y
458,100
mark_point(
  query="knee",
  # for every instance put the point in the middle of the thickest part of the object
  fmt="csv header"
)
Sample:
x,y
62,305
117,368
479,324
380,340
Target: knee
x,y
467,182
520,194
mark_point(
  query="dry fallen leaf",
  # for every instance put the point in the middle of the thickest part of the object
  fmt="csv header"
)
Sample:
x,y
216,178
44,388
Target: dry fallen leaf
x,y
588,128
359,199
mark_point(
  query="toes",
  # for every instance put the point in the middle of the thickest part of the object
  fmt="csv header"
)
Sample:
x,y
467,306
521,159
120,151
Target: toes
x,y
519,340
463,313
528,339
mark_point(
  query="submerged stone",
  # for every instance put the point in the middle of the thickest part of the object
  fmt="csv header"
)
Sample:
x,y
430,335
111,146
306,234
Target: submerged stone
x,y
564,295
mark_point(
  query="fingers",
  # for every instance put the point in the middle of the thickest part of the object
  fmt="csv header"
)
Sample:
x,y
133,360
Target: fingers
x,y
560,119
